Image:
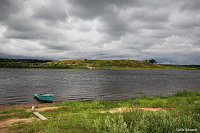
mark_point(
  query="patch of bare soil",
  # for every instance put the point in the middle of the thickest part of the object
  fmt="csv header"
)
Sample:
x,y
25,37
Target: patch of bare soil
x,y
9,122
4,130
44,109
120,110
117,110
89,67
3,108
7,114
47,108
152,109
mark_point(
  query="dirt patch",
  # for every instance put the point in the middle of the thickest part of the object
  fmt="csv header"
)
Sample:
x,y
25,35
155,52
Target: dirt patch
x,y
7,114
152,109
90,67
120,110
38,107
44,109
9,122
117,110
4,130
3,108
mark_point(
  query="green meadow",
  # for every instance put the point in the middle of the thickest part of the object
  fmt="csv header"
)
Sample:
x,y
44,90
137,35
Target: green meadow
x,y
180,111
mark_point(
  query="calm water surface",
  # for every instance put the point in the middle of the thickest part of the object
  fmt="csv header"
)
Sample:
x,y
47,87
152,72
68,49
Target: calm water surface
x,y
17,86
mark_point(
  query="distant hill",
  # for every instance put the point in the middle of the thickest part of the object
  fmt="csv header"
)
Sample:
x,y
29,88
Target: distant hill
x,y
23,60
21,63
121,65
92,64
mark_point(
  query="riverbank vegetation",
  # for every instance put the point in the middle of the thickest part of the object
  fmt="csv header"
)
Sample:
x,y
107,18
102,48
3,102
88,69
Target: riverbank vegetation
x,y
92,64
146,114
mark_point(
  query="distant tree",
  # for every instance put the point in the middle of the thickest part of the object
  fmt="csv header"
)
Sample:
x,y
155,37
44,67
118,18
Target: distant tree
x,y
153,61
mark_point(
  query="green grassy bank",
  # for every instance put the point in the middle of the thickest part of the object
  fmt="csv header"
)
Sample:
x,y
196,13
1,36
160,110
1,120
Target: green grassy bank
x,y
179,112
92,64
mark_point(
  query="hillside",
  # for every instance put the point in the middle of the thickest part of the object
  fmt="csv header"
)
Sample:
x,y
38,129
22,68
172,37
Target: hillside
x,y
106,64
119,65
92,64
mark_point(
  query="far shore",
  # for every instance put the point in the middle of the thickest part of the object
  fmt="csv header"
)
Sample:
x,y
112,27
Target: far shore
x,y
111,64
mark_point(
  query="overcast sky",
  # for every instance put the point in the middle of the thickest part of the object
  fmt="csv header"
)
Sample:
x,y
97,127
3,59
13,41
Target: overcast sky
x,y
166,30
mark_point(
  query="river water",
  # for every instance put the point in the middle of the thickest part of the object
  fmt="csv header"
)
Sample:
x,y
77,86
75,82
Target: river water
x,y
17,86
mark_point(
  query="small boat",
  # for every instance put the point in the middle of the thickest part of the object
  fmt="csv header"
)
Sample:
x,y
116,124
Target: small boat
x,y
44,97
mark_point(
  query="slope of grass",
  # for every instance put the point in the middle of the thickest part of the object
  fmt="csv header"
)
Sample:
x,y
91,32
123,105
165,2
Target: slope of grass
x,y
120,65
85,116
92,64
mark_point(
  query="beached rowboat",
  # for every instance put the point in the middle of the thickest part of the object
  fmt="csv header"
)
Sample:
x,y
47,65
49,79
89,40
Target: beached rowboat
x,y
44,97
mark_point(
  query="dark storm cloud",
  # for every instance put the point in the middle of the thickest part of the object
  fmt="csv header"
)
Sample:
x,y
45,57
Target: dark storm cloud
x,y
154,15
135,29
50,11
9,7
88,9
119,17
190,5
23,21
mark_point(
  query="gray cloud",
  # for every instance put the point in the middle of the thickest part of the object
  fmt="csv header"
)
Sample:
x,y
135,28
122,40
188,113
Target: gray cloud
x,y
135,29
50,10
190,5
9,7
89,9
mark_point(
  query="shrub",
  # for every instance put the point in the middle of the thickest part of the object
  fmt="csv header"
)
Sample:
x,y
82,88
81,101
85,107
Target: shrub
x,y
187,93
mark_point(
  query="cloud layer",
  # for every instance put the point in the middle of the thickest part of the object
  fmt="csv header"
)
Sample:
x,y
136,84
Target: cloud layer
x,y
166,30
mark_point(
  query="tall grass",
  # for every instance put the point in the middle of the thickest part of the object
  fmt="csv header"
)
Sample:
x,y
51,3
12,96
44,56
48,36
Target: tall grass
x,y
140,121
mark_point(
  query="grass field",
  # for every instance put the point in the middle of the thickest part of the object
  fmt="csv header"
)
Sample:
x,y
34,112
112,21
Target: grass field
x,y
92,64
172,113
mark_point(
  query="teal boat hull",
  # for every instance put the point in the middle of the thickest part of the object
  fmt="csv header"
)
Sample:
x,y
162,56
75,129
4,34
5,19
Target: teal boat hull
x,y
44,97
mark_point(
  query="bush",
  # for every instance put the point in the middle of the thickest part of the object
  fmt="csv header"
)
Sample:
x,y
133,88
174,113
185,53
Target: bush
x,y
111,125
152,61
187,93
